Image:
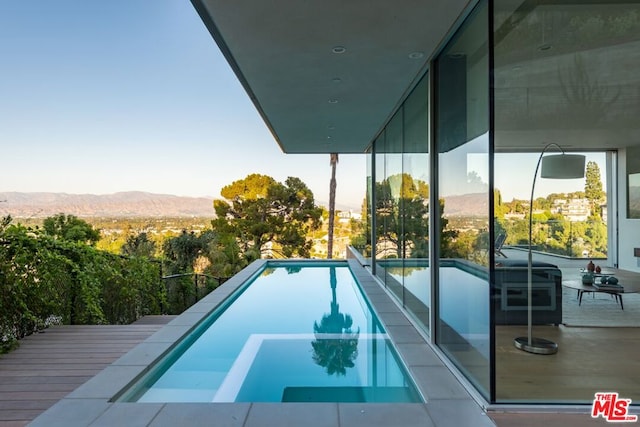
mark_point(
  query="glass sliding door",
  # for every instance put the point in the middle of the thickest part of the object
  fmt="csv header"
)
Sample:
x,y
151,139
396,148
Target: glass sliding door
x,y
565,72
362,241
415,204
382,207
401,204
462,142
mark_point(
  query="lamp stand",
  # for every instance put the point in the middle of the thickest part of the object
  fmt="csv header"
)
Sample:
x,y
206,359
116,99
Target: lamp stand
x,y
529,343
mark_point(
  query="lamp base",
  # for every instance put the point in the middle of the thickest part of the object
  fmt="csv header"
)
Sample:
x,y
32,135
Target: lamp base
x,y
537,346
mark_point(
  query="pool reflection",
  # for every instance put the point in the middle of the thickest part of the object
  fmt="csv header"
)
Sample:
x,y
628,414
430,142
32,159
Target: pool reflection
x,y
336,345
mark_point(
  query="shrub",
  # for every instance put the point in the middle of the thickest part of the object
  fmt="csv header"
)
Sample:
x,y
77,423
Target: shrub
x,y
44,278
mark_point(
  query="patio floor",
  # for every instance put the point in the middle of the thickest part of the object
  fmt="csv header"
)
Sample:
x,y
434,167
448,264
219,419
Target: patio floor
x,y
49,365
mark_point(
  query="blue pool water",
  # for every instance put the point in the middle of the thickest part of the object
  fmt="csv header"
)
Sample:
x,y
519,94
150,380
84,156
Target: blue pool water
x,y
297,333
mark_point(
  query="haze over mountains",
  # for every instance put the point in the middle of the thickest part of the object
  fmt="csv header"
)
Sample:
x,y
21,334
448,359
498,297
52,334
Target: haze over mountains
x,y
127,204
141,204
124,204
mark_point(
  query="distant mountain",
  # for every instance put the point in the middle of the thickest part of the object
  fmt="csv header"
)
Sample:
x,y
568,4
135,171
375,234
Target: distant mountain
x,y
124,204
141,204
340,206
474,204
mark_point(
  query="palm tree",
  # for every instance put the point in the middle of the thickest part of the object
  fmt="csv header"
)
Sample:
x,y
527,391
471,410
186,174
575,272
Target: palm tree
x,y
332,203
336,345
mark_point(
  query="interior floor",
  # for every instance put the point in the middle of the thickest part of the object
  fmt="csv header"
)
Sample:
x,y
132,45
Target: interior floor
x,y
589,360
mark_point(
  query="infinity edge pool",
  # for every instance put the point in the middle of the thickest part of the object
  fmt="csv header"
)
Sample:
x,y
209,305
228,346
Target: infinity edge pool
x,y
266,343
92,403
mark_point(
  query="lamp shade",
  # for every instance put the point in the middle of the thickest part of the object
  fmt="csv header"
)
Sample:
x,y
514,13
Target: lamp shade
x,y
563,166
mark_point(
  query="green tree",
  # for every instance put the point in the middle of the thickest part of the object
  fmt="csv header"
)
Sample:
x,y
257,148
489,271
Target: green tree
x,y
71,228
139,245
361,236
402,210
499,207
180,252
225,256
45,279
403,218
593,188
267,217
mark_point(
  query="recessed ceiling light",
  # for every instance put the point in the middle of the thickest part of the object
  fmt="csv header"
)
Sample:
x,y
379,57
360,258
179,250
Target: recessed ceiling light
x,y
333,101
416,55
339,49
328,136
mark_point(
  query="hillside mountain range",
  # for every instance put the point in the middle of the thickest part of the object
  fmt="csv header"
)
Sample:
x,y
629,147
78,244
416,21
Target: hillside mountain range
x,y
131,204
123,204
467,205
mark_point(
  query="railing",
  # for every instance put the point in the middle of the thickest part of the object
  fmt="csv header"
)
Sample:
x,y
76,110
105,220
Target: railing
x,y
573,239
184,290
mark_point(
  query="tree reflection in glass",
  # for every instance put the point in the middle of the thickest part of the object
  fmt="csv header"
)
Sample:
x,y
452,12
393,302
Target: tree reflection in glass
x,y
336,345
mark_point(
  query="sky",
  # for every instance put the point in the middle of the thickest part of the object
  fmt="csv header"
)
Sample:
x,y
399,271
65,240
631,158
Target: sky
x,y
513,172
106,96
510,166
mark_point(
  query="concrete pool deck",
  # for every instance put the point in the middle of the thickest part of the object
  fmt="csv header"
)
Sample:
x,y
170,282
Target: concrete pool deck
x,y
447,403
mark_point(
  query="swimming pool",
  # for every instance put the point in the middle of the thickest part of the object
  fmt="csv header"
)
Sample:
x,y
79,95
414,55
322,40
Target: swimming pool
x,y
295,332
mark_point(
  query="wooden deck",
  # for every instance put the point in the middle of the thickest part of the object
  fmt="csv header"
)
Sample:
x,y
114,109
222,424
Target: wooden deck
x,y
49,365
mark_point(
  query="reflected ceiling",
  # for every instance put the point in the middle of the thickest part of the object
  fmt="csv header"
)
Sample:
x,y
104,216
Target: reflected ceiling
x,y
567,72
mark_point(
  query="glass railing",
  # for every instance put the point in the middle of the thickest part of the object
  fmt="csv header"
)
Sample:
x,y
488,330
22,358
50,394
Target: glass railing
x,y
573,239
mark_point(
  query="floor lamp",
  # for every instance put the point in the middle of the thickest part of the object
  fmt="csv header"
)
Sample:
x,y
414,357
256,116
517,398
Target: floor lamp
x,y
555,166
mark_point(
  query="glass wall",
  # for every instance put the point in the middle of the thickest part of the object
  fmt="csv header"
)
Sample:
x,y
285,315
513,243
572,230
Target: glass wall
x,y
566,73
416,278
362,241
401,204
462,142
563,72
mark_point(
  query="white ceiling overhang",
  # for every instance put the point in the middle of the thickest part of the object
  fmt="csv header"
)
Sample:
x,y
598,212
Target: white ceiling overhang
x,y
313,97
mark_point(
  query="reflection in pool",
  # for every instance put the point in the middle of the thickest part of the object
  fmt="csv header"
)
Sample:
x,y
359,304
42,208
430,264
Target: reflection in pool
x,y
336,345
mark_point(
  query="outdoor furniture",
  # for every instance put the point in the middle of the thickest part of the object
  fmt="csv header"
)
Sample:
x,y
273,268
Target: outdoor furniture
x,y
498,244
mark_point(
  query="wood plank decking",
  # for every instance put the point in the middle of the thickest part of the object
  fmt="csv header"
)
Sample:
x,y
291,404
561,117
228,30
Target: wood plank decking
x,y
49,365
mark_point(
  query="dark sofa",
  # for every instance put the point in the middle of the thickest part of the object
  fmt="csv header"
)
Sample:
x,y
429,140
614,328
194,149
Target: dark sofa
x,y
509,295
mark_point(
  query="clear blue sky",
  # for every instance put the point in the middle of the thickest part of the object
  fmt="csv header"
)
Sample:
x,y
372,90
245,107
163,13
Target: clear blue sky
x,y
514,176
118,95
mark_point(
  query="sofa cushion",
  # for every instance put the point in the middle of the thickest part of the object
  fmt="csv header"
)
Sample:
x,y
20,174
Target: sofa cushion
x,y
523,263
